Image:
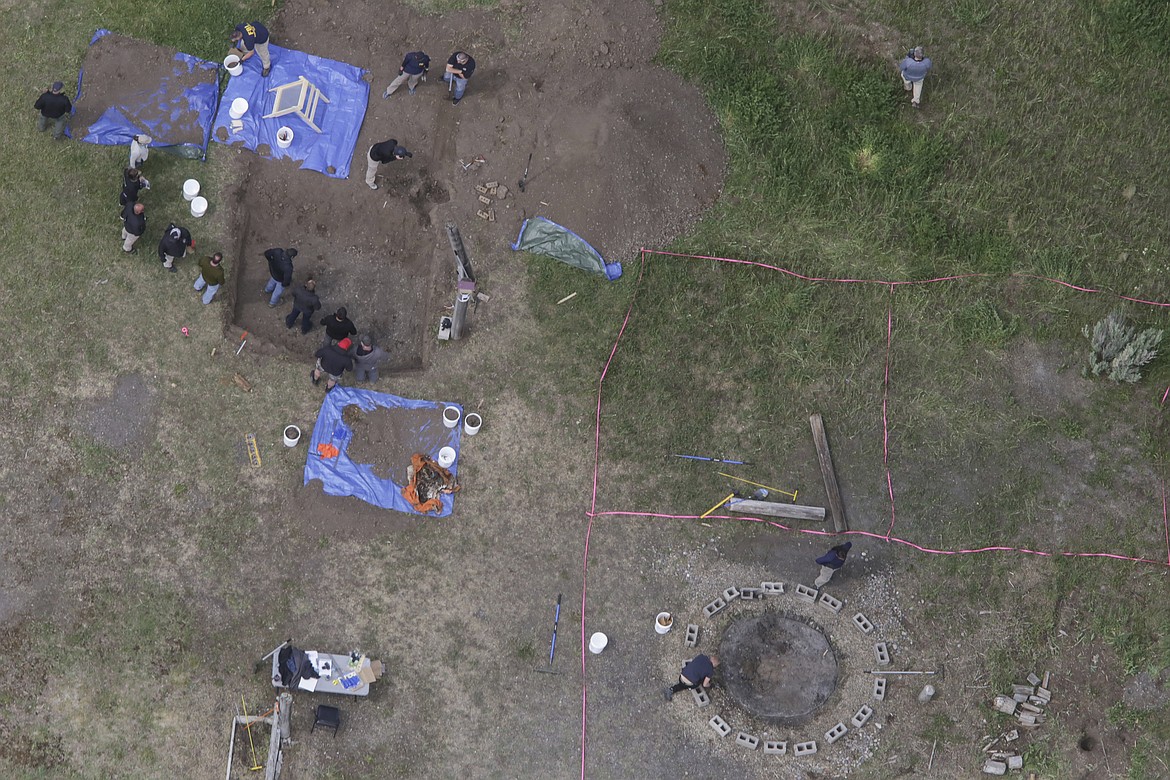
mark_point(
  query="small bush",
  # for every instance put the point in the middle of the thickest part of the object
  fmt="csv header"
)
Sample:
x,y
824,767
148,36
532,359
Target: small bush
x,y
1118,351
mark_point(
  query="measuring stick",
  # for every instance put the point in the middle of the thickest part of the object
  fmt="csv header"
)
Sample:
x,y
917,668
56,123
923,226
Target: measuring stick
x,y
721,503
715,460
757,484
884,672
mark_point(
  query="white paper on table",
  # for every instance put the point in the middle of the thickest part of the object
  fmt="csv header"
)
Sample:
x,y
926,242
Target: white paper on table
x,y
307,684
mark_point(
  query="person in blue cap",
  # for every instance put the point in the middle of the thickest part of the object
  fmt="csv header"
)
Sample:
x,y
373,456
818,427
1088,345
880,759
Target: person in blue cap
x,y
252,38
831,561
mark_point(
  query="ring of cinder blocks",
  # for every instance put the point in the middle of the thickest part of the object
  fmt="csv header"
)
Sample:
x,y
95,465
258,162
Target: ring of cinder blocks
x,y
807,595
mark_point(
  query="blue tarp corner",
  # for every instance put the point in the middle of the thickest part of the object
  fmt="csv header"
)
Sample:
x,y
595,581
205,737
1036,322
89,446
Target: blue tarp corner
x,y
342,476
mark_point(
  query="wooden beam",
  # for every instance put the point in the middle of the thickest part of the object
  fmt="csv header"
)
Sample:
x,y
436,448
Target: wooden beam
x,y
828,474
773,509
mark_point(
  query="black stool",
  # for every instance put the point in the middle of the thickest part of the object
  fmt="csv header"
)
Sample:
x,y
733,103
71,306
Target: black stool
x,y
327,716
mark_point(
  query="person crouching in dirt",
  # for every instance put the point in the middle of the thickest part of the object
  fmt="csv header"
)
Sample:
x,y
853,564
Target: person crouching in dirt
x,y
333,360
366,360
252,38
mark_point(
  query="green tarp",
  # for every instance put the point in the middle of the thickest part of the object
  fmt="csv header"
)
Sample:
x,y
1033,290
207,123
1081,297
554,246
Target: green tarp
x,y
544,237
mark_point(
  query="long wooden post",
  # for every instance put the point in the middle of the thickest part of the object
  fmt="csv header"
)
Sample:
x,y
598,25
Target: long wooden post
x,y
828,474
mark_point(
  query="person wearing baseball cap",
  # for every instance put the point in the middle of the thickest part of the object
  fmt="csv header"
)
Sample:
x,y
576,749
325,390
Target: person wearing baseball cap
x,y
55,107
385,152
831,561
252,38
333,360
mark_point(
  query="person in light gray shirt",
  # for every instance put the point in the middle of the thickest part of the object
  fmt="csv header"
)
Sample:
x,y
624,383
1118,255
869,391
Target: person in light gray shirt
x,y
367,359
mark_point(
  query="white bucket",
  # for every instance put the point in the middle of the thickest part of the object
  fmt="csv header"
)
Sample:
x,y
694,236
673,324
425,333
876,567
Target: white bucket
x,y
472,423
663,622
199,206
190,189
597,643
238,108
446,457
284,137
233,64
292,435
451,416
927,693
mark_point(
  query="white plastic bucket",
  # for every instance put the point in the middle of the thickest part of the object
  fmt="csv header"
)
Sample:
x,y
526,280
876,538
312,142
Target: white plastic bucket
x,y
451,416
663,622
472,423
199,206
446,457
597,643
190,189
238,108
292,435
233,64
927,693
284,137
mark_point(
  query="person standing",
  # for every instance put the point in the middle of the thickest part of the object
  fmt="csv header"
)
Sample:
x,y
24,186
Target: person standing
x,y
252,38
305,304
385,152
174,244
460,66
139,149
914,67
211,276
55,107
414,67
696,673
280,273
337,327
133,182
831,561
133,226
366,360
333,360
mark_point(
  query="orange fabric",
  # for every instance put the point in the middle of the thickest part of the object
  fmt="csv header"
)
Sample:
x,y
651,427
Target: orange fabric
x,y
326,450
410,492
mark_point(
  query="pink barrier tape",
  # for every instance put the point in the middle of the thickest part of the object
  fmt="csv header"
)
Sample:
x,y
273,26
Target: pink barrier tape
x,y
885,412
1165,523
1164,396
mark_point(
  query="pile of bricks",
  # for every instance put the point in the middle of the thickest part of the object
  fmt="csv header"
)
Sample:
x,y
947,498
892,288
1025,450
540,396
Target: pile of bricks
x,y
487,191
1027,703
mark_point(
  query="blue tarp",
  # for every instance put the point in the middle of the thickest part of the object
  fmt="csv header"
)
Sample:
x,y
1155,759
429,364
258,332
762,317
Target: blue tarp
x,y
341,476
162,111
340,120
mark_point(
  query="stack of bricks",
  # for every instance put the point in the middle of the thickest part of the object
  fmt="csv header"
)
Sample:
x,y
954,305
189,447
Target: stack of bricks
x,y
486,191
1027,703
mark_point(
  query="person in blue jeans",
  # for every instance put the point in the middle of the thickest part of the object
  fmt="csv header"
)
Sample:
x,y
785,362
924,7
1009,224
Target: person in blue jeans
x,y
696,673
914,68
211,276
460,66
280,273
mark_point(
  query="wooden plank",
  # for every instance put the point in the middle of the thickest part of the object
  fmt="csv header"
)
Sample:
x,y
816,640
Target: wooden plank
x,y
773,509
828,474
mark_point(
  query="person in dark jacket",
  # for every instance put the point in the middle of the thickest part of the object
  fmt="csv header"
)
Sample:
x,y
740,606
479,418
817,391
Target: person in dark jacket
x,y
696,673
280,272
831,561
333,360
337,327
251,38
174,244
133,182
211,276
54,107
134,225
366,360
414,67
387,151
305,304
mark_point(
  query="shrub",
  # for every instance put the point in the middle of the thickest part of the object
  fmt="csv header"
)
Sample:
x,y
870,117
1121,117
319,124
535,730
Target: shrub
x,y
1118,351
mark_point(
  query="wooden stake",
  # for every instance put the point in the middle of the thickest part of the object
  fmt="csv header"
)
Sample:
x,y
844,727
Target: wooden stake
x,y
567,297
828,474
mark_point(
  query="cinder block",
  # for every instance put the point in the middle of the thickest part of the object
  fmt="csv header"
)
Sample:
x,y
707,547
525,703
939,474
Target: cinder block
x,y
747,741
879,688
994,767
862,622
830,603
804,748
805,593
731,594
692,637
772,588
1033,679
862,717
1015,762
751,594
775,748
720,726
715,607
701,697
882,654
835,733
